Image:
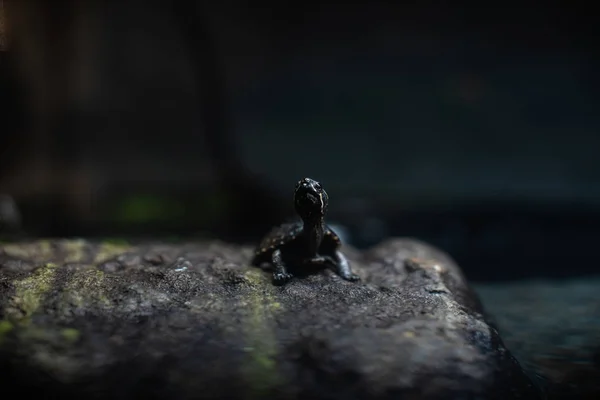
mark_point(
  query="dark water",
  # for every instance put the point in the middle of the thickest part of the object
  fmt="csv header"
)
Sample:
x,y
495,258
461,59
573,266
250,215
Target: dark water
x,y
553,328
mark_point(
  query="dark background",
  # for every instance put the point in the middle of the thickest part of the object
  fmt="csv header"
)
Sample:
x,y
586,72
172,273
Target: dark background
x,y
474,128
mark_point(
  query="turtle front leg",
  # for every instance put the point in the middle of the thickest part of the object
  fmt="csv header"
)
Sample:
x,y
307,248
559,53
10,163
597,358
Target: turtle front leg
x,y
342,267
280,275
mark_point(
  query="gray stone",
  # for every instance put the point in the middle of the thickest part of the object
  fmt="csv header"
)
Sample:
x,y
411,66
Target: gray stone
x,y
98,320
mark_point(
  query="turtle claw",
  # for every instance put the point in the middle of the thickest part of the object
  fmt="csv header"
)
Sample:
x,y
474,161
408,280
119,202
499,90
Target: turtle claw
x,y
352,278
282,277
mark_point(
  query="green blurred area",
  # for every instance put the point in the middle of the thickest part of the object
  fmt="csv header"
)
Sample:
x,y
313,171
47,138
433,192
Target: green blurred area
x,y
133,209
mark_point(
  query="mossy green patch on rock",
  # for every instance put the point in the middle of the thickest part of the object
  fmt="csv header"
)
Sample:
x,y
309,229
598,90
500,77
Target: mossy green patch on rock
x,y
5,327
71,334
75,251
51,350
30,292
260,369
40,250
255,277
65,251
116,241
106,251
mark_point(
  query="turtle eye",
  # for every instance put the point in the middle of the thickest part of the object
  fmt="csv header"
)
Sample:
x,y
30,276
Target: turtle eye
x,y
318,186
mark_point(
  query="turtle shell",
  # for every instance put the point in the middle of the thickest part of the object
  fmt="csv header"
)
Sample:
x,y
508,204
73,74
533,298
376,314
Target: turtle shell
x,y
286,234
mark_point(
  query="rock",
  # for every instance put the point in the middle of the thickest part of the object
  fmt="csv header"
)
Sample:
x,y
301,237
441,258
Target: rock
x,y
94,320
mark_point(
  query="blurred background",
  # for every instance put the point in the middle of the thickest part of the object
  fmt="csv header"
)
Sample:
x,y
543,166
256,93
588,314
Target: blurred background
x,y
472,128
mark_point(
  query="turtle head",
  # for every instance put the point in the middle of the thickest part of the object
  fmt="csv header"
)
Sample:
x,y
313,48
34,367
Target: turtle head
x,y
310,200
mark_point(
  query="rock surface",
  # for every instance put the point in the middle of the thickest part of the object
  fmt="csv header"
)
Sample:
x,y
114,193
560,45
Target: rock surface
x,y
93,320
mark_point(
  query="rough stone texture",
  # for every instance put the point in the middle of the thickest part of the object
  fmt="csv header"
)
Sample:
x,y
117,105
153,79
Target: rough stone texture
x,y
83,320
553,327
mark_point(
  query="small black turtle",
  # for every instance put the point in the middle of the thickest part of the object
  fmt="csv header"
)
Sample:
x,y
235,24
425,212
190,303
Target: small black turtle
x,y
308,242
